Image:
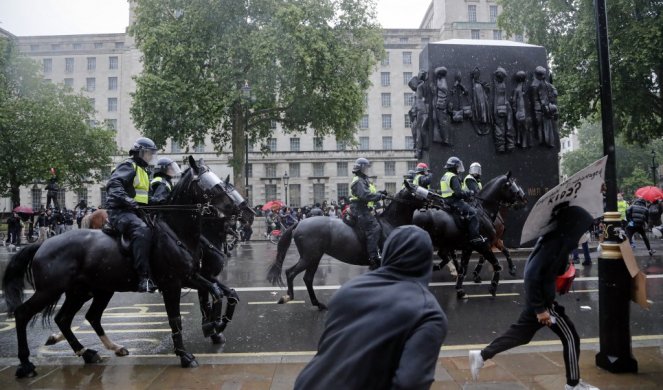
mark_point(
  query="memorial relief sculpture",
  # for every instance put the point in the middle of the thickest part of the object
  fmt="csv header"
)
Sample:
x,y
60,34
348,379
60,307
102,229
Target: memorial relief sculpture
x,y
441,104
482,118
522,122
502,116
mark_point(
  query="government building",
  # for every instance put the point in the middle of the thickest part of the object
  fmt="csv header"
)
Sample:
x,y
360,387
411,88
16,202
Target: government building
x,y
314,169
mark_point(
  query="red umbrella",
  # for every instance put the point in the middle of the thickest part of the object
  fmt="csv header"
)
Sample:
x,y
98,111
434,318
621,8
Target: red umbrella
x,y
273,204
23,209
649,193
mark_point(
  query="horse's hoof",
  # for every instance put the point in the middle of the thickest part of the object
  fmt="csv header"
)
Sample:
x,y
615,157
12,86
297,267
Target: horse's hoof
x,y
512,270
218,339
208,329
321,306
26,370
187,360
284,299
122,352
91,356
52,340
493,290
477,278
460,294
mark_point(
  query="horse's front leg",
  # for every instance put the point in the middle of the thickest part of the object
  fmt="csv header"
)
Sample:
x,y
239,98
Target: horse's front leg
x,y
171,298
93,316
462,270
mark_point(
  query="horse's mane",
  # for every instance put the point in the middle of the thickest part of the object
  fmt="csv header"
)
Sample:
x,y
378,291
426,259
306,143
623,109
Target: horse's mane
x,y
182,187
491,186
392,207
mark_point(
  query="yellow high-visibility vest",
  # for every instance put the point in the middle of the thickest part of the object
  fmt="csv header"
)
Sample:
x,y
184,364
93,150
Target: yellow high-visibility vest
x,y
158,179
141,184
445,185
470,177
371,188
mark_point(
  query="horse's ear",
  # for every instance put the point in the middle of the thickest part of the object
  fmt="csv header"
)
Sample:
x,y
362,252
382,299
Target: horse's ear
x,y
508,174
193,165
228,179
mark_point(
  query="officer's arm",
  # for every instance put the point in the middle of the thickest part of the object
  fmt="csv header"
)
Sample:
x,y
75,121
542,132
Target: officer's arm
x,y
456,187
361,191
122,177
160,193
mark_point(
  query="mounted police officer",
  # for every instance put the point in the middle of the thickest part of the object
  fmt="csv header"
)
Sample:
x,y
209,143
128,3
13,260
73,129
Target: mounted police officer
x,y
452,192
422,176
127,189
363,196
472,181
162,183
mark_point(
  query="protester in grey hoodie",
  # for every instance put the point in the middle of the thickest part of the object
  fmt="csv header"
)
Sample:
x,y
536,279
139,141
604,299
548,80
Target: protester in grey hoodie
x,y
384,328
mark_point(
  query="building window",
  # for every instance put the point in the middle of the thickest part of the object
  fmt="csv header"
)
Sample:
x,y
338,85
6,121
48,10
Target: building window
x,y
90,84
112,104
48,65
81,193
341,144
497,35
403,39
409,142
385,80
112,83
493,13
387,143
62,197
386,121
119,45
342,168
407,122
111,124
270,192
318,193
69,82
519,38
98,45
175,147
91,63
408,99
364,122
342,191
112,63
317,144
406,77
92,102
34,47
390,187
472,13
249,170
294,144
386,99
272,125
411,165
295,198
55,46
270,170
390,168
365,99
407,58
475,34
36,198
271,144
318,169
293,169
103,195
363,143
199,147
385,60
69,65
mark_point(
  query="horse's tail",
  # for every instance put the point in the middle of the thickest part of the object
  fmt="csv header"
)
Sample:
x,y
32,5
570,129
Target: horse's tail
x,y
274,273
12,282
85,222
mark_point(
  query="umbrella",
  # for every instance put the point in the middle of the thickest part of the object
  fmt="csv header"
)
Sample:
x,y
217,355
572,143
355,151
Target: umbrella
x,y
273,204
649,193
23,209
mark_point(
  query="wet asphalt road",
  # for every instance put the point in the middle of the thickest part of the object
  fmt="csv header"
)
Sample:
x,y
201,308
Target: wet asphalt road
x,y
139,322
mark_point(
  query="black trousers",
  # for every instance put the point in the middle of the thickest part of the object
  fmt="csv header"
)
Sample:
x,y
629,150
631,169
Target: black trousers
x,y
471,214
370,226
631,230
136,229
527,325
52,196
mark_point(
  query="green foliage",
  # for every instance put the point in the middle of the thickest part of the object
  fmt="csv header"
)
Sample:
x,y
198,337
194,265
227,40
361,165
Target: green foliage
x,y
308,63
42,125
568,30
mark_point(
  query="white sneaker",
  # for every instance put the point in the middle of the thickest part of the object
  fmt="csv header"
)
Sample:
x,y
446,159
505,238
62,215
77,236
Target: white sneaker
x,y
581,386
476,362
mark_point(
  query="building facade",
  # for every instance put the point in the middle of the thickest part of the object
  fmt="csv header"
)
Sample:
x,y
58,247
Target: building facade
x,y
102,66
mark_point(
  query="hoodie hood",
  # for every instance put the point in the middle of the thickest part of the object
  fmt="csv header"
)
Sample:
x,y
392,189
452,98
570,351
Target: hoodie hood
x,y
408,251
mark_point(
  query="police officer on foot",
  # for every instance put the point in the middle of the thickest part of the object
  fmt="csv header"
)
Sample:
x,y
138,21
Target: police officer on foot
x,y
363,196
472,181
162,184
128,188
452,192
422,176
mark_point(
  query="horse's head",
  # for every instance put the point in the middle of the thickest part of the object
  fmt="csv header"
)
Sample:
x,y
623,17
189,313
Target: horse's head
x,y
416,195
512,193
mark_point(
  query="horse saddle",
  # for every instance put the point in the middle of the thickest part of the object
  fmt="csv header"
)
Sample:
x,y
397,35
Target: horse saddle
x,y
122,242
351,220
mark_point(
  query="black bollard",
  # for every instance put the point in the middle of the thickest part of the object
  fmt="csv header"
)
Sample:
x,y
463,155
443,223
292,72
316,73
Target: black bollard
x,y
615,354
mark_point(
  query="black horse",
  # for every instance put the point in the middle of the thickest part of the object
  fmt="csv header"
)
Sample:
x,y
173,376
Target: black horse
x,y
317,236
89,263
448,237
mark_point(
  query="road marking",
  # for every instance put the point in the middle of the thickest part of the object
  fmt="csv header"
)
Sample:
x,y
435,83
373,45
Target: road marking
x,y
161,304
491,296
139,315
584,291
272,302
157,330
132,323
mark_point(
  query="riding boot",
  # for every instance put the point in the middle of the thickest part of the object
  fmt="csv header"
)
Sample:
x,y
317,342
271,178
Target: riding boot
x,y
477,270
141,247
176,329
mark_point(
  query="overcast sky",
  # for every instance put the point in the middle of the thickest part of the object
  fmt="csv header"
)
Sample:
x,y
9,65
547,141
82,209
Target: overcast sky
x,y
58,17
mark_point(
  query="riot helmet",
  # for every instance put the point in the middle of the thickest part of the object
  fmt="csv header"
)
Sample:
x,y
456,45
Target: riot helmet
x,y
361,165
454,163
145,149
475,169
422,168
410,175
167,167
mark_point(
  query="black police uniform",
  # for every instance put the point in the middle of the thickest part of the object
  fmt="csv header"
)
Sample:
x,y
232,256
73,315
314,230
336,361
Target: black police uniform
x,y
361,196
160,188
457,200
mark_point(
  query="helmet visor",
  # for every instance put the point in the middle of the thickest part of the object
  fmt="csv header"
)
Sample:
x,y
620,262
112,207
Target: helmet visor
x,y
460,167
172,169
147,155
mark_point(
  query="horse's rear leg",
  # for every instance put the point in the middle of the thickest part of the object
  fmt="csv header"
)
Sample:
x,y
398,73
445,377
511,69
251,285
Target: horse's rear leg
x,y
22,316
93,316
72,304
462,270
308,280
497,268
512,267
290,275
477,270
171,298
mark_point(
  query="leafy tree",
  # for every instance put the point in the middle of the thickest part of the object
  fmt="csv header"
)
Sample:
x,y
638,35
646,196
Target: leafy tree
x,y
568,30
45,125
308,64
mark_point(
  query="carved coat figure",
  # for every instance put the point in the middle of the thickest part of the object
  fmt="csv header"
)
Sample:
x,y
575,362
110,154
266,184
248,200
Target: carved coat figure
x,y
481,112
441,105
521,120
421,109
542,109
503,118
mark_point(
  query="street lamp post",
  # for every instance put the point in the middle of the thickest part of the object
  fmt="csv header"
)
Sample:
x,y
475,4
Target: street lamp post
x,y
653,167
286,178
246,95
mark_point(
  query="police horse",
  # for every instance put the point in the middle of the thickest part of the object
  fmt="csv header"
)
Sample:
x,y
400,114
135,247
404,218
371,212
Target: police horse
x,y
84,264
448,236
317,236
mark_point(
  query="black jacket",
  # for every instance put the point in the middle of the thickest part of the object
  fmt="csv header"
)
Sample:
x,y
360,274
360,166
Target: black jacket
x,y
551,255
120,187
160,190
384,328
362,191
637,213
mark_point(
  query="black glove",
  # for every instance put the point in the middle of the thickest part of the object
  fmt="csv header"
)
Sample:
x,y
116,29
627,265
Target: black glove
x,y
131,203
